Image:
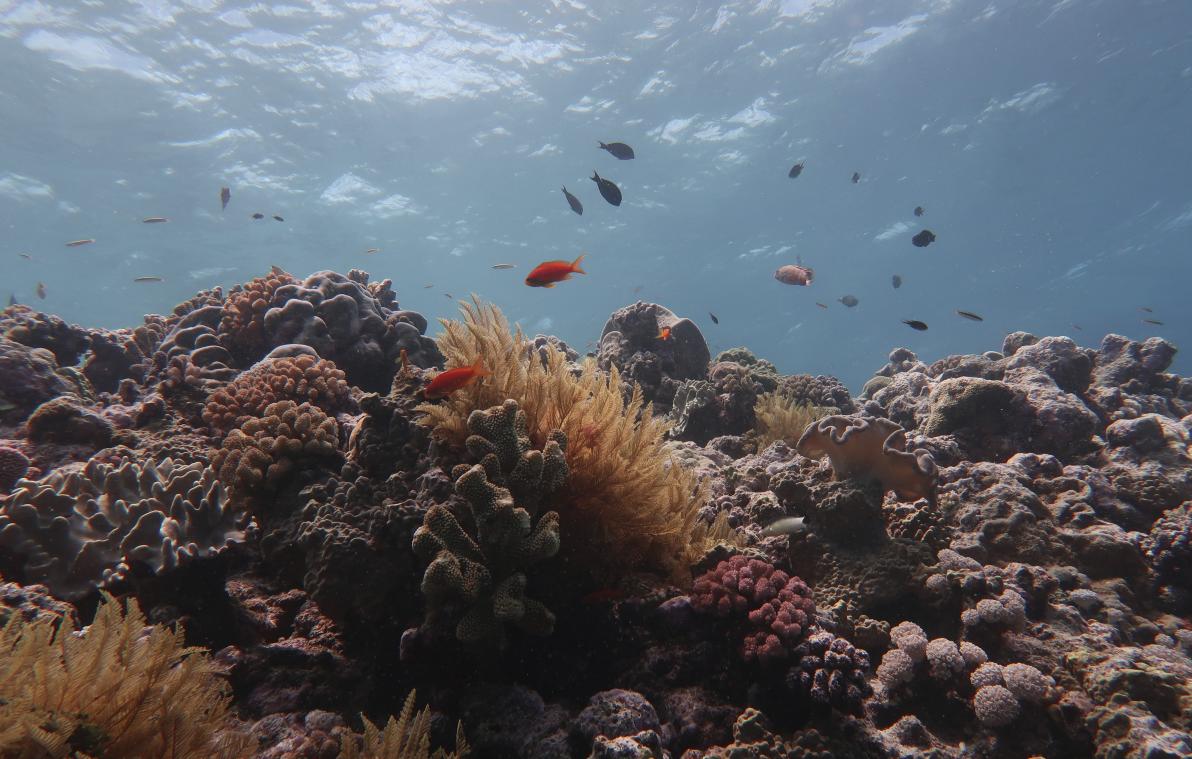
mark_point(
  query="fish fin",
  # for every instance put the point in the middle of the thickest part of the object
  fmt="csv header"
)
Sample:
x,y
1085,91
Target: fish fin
x,y
575,264
548,284
478,368
595,176
602,145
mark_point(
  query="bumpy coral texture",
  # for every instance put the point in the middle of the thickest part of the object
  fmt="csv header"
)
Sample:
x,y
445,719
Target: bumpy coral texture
x,y
831,671
28,377
242,321
629,342
259,456
350,322
37,330
78,530
774,608
1169,550
13,465
483,567
300,379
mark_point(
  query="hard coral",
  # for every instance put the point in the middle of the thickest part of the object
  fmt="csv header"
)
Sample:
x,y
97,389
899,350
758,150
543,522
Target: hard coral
x,y
871,449
774,608
259,456
831,671
37,330
626,505
65,420
13,466
301,378
28,377
242,321
75,531
629,343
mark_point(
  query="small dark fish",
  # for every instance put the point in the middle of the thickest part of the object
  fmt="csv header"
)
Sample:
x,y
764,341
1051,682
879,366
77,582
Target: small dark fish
x,y
25,256
796,170
923,239
619,150
502,266
856,177
915,324
714,319
608,190
148,279
372,250
1077,326
849,300
896,281
573,201
258,216
920,210
154,220
41,290
448,295
77,243
1148,310
969,315
821,305
225,194
276,269
12,299
1156,322
637,289
277,218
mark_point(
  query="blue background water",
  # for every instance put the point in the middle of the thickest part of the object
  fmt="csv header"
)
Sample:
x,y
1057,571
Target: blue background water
x,y
1048,142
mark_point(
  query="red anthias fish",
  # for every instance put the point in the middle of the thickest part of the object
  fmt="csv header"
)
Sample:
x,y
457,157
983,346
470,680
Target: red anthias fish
x,y
548,273
794,275
446,383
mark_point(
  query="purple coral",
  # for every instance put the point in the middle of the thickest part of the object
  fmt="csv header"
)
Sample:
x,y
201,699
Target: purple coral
x,y
995,706
778,606
831,671
13,466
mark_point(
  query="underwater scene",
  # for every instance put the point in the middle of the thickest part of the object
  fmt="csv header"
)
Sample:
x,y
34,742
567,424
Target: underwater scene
x,y
753,379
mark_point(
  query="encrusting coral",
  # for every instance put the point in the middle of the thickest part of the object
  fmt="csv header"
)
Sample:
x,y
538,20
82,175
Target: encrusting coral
x,y
257,457
302,378
77,530
482,566
119,690
626,504
871,449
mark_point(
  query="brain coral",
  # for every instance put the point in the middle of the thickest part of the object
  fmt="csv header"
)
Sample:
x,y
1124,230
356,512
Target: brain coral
x,y
78,530
13,465
37,330
298,379
259,455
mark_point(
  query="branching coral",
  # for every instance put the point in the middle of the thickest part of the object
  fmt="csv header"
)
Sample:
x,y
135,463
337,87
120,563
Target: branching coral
x,y
407,737
626,504
782,418
261,454
480,562
115,691
300,378
78,530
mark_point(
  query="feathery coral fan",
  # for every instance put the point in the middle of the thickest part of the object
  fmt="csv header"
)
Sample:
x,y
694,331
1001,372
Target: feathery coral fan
x,y
407,737
626,504
780,417
116,691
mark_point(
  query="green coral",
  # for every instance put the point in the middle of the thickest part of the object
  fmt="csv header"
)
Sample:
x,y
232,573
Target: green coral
x,y
478,560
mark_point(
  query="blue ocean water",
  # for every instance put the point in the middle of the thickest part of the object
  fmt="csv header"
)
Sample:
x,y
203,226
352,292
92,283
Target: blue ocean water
x,y
1047,141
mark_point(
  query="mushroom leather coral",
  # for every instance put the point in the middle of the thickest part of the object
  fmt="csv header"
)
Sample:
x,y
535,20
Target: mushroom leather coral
x,y
626,505
259,455
298,379
871,449
116,692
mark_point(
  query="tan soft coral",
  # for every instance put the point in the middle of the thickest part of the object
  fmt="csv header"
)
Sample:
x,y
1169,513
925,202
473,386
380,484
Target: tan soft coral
x,y
871,449
242,327
627,505
300,379
780,417
257,457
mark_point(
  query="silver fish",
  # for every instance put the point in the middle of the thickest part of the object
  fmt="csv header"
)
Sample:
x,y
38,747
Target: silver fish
x,y
147,279
154,220
77,243
785,526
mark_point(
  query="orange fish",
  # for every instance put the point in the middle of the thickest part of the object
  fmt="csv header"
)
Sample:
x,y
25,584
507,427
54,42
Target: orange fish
x,y
794,275
546,274
446,383
664,333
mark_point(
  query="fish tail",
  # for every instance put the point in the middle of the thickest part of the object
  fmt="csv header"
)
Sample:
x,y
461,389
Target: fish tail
x,y
575,264
595,176
602,145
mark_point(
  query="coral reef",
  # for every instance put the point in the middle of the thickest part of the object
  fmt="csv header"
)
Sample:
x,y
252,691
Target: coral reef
x,y
303,378
259,456
871,449
629,343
